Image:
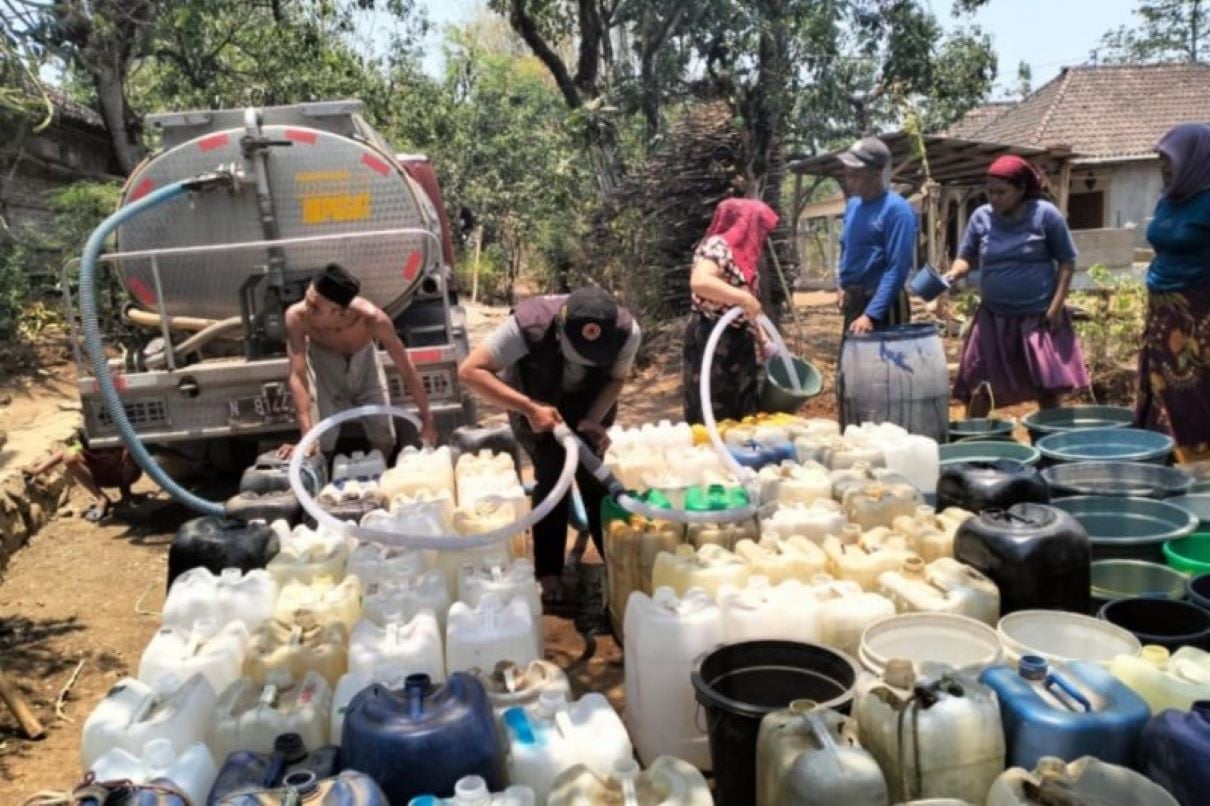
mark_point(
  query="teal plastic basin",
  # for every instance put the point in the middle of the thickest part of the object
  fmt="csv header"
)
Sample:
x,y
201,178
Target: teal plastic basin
x,y
981,428
1107,445
987,450
1196,504
1075,418
1128,528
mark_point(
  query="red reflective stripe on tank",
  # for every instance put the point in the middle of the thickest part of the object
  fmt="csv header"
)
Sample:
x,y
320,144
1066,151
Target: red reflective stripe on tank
x,y
425,356
302,136
413,265
375,164
141,292
213,141
144,187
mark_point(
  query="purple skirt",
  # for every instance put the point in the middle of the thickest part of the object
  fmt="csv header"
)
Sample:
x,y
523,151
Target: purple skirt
x,y
1020,357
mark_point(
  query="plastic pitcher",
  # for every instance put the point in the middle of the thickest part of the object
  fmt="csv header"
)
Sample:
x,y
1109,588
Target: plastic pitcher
x,y
793,483
297,647
795,558
709,568
631,546
203,648
230,595
938,736
553,734
665,635
942,586
191,770
404,645
807,754
492,632
133,713
250,716
407,596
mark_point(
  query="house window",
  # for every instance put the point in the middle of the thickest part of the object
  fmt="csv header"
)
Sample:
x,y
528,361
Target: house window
x,y
1086,210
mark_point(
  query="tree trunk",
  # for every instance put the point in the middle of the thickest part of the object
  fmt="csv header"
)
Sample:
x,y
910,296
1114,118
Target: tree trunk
x,y
111,98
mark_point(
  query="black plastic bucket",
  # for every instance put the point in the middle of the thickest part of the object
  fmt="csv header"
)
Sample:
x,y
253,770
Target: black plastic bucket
x,y
738,684
1167,623
1198,589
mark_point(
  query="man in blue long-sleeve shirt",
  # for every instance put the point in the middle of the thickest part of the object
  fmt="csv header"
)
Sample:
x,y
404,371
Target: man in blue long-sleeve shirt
x,y
878,242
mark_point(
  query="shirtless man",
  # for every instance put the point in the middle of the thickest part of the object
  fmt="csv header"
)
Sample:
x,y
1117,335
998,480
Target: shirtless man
x,y
331,342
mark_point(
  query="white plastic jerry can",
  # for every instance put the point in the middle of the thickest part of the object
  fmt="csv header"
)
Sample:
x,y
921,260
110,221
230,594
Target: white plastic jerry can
x,y
133,713
794,558
698,464
938,736
327,602
931,534
667,782
509,685
916,458
845,610
810,755
308,556
359,465
862,563
372,563
298,647
1085,780
407,646
1164,680
352,684
942,586
423,512
430,469
793,483
709,568
249,715
407,596
760,611
229,596
192,770
664,639
814,521
203,648
472,790
721,534
631,547
879,503
553,734
507,580
492,632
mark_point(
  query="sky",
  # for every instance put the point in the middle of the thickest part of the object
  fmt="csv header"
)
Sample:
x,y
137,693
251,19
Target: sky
x,y
1047,34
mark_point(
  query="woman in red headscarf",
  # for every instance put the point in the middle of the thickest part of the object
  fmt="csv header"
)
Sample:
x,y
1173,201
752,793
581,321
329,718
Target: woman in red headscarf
x,y
726,274
1021,345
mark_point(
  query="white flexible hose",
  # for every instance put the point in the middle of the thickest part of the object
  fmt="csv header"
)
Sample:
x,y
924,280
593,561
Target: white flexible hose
x,y
454,542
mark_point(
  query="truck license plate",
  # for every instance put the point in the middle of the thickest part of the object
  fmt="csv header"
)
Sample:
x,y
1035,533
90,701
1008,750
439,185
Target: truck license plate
x,y
273,405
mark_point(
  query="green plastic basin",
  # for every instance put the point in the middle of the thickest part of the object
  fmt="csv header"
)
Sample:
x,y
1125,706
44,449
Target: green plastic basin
x,y
1190,555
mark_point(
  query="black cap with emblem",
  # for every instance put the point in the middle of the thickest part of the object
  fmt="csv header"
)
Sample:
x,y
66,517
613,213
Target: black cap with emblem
x,y
590,324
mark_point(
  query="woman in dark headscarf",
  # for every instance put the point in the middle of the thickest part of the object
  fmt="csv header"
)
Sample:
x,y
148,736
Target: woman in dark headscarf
x,y
1021,345
1174,363
725,274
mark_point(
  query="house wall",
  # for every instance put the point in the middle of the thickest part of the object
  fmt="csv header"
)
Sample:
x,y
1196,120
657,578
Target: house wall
x,y
1134,188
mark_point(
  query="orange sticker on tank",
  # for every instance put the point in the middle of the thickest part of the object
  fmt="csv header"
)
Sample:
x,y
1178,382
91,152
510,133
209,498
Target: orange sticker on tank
x,y
412,266
213,141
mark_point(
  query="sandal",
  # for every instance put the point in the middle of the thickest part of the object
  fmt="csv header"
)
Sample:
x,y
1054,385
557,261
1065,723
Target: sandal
x,y
97,512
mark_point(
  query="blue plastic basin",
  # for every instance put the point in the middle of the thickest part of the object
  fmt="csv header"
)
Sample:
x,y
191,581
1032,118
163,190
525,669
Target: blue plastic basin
x,y
1075,418
1128,528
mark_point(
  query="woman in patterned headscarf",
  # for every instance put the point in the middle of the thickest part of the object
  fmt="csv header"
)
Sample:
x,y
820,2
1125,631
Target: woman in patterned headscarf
x,y
726,274
1174,363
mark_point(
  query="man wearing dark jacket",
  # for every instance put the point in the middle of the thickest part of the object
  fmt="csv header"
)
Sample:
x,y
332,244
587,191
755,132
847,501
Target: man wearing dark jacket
x,y
558,359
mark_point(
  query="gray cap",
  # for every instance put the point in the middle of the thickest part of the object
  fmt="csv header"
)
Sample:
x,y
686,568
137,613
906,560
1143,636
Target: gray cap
x,y
868,152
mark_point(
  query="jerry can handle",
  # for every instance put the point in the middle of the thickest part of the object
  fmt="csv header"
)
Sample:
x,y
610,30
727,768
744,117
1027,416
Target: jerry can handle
x,y
1053,679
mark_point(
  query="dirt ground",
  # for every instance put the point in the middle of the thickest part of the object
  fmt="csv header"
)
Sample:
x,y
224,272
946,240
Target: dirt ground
x,y
88,596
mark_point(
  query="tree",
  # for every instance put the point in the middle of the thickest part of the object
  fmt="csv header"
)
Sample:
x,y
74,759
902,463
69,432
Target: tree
x,y
1170,31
